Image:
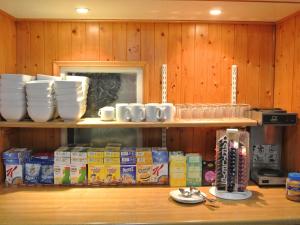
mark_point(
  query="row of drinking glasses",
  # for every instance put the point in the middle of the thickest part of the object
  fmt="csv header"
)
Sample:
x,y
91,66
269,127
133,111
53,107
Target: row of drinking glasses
x,y
212,111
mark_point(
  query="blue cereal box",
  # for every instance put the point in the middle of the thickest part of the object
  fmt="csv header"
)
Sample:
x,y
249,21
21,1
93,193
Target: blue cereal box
x,y
160,155
128,152
160,168
128,161
128,174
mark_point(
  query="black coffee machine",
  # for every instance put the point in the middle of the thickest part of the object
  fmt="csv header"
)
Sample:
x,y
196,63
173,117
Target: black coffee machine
x,y
266,145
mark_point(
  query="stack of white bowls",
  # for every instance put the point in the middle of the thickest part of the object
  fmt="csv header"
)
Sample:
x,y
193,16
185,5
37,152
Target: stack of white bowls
x,y
71,97
12,92
40,100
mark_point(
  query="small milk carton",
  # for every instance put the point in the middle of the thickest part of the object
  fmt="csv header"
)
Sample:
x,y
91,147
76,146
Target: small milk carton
x,y
194,170
177,171
160,170
62,174
78,174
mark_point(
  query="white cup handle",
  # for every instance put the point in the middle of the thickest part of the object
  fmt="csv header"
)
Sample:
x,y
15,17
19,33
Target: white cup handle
x,y
128,114
161,114
99,113
143,114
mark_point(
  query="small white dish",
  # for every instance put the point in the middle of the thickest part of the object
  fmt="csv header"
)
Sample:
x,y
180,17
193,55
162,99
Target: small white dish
x,y
178,197
47,77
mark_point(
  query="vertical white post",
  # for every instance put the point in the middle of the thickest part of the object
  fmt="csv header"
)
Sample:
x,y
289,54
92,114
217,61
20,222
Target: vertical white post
x,y
164,95
234,74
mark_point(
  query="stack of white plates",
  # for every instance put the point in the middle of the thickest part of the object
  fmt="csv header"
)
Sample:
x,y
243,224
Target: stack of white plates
x,y
71,95
12,92
40,100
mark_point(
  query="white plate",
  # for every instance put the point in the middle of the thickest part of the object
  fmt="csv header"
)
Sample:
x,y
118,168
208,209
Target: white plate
x,y
178,197
230,195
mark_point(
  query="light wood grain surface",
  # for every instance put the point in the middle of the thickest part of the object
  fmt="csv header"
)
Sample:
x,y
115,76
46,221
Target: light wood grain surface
x,y
62,205
97,123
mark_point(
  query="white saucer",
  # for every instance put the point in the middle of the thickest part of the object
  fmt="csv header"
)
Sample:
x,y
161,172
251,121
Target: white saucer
x,y
230,195
177,196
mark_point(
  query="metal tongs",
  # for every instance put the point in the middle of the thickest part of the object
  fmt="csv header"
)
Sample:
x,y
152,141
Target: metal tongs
x,y
195,191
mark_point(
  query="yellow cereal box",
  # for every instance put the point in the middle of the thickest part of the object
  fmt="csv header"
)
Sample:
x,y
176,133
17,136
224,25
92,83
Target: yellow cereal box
x,y
111,153
143,174
144,161
96,174
95,153
112,174
111,161
144,152
178,171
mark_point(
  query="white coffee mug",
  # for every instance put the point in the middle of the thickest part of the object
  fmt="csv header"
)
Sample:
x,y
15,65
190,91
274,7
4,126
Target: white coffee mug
x,y
107,113
122,112
167,112
137,112
153,112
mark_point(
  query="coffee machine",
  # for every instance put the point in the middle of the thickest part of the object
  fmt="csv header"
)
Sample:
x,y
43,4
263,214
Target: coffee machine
x,y
266,145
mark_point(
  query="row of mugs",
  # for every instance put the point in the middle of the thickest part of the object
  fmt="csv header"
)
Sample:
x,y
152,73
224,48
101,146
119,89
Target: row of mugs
x,y
137,112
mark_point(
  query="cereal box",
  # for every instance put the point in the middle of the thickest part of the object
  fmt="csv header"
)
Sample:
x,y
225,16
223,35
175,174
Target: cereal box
x,y
32,172
111,153
178,171
128,174
128,161
62,160
143,174
111,161
79,155
208,173
61,174
128,152
160,174
143,152
194,170
63,152
14,174
96,174
144,161
112,174
78,174
94,154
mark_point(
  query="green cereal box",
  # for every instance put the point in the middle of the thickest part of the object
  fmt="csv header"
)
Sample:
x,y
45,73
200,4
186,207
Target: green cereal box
x,y
194,169
78,174
61,174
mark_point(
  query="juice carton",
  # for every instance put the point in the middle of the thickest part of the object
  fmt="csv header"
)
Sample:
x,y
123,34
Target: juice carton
x,y
128,152
95,155
79,155
14,173
96,174
160,172
78,174
61,174
208,173
112,174
143,173
194,169
111,161
128,174
178,171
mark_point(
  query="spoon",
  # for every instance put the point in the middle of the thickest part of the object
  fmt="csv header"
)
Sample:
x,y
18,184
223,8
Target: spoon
x,y
198,192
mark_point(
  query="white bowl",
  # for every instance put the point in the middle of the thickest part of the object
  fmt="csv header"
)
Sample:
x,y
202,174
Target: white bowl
x,y
41,114
17,77
7,91
42,98
43,84
47,77
70,98
83,79
13,113
39,95
39,92
8,103
71,112
69,91
63,84
13,97
11,84
48,103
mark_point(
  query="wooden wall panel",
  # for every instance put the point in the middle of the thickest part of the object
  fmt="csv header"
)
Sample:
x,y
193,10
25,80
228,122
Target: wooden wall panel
x,y
287,85
199,59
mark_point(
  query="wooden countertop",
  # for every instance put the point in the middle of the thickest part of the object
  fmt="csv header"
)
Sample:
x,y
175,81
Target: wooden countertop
x,y
97,123
63,205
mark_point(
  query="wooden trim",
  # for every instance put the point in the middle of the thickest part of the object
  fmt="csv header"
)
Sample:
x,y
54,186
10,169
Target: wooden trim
x,y
257,1
288,17
144,21
6,14
97,123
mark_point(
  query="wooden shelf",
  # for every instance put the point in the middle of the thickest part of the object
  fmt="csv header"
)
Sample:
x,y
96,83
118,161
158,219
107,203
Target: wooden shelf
x,y
97,123
140,205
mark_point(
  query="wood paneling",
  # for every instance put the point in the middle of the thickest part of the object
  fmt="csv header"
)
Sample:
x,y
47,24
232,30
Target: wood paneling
x,y
287,84
199,58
